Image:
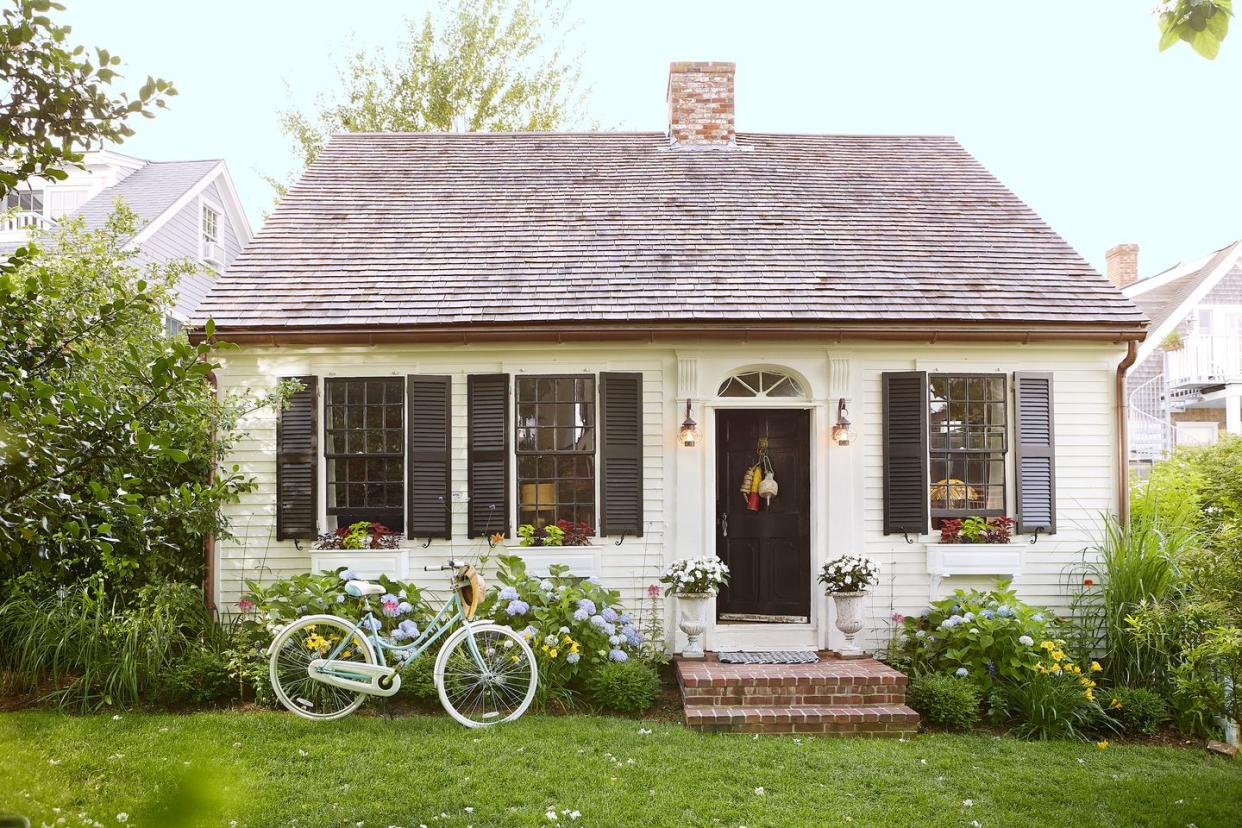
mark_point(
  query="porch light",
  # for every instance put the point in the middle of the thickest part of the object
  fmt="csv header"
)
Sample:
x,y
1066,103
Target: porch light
x,y
842,432
689,429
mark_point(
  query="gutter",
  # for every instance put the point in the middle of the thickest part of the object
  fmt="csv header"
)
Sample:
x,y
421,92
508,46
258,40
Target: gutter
x,y
482,332
1123,436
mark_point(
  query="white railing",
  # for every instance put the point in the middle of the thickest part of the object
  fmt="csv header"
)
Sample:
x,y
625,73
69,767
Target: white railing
x,y
22,221
1204,360
1151,430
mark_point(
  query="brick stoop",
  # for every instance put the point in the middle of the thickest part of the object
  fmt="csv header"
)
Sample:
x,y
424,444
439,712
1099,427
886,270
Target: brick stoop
x,y
832,696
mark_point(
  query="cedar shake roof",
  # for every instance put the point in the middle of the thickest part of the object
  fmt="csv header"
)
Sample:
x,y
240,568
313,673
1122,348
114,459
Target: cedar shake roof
x,y
418,231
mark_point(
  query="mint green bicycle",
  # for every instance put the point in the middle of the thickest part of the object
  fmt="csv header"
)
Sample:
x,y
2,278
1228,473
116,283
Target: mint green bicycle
x,y
324,667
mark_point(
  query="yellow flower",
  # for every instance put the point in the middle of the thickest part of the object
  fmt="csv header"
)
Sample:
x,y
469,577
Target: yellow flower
x,y
1102,745
1047,645
1077,669
347,654
1057,655
553,653
1116,704
1056,668
1090,696
1095,667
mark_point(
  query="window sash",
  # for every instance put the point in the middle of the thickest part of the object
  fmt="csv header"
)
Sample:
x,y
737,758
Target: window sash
x,y
351,458
563,481
959,445
211,225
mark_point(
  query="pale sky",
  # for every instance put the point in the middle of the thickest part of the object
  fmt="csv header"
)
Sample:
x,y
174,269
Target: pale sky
x,y
1069,104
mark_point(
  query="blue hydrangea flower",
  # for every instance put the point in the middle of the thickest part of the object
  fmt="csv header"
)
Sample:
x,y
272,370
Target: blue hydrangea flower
x,y
588,605
614,640
633,636
920,634
593,580
1039,616
986,614
530,631
625,618
609,614
1005,612
374,624
405,608
1026,641
573,658
961,672
580,614
618,655
348,575
406,629
545,585
517,607
598,621
508,594
609,628
970,616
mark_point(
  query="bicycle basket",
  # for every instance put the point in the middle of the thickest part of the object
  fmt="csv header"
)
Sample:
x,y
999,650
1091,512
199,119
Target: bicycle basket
x,y
471,587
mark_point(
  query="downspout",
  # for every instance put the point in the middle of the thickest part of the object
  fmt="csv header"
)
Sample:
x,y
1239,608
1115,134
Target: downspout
x,y
1123,439
209,540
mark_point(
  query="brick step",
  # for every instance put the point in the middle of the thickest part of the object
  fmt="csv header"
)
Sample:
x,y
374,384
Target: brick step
x,y
794,695
891,720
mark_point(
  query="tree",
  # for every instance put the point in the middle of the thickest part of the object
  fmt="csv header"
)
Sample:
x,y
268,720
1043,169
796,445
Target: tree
x,y
110,434
1201,23
58,100
474,65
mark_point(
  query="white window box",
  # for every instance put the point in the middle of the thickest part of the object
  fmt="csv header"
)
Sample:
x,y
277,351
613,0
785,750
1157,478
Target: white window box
x,y
582,561
366,563
945,559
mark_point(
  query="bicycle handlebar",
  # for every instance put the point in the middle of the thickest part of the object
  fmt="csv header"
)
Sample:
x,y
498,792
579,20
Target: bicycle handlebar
x,y
450,565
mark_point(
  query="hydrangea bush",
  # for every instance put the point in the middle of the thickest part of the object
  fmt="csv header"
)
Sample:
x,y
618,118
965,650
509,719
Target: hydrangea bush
x,y
849,573
573,624
983,636
695,576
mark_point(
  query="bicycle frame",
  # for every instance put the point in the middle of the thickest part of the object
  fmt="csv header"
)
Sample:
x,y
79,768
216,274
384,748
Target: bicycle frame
x,y
446,619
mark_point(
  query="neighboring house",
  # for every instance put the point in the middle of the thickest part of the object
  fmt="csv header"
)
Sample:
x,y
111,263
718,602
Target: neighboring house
x,y
186,210
497,329
1186,384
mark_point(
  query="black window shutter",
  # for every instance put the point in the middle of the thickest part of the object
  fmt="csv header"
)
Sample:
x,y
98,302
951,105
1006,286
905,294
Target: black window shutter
x,y
297,463
428,461
487,453
621,454
905,407
1034,452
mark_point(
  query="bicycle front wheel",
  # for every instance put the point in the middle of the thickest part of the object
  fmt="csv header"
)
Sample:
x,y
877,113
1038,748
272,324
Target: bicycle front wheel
x,y
309,638
486,675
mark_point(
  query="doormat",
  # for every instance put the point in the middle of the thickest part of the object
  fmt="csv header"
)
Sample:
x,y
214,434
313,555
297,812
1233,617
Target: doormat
x,y
770,657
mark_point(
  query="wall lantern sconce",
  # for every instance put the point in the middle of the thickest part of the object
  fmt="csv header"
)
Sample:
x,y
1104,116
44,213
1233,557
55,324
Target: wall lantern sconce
x,y
689,429
842,432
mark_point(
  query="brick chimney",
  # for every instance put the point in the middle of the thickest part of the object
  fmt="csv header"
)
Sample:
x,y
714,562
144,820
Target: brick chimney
x,y
1122,264
700,104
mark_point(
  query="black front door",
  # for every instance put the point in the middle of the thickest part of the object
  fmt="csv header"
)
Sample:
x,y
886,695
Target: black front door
x,y
768,551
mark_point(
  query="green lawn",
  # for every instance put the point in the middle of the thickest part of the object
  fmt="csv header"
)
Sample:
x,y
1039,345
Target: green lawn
x,y
271,769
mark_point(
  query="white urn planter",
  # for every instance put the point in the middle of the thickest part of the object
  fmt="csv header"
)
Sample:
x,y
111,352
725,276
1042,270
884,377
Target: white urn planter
x,y
692,620
849,620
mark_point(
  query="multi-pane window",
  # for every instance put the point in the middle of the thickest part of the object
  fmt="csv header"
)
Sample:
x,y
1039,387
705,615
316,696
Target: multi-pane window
x,y
25,201
211,225
364,436
556,450
968,441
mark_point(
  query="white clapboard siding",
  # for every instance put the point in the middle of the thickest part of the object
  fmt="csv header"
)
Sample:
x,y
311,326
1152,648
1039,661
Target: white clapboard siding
x,y
678,511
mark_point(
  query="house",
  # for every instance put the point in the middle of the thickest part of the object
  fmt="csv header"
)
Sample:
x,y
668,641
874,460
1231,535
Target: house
x,y
1185,387
505,329
186,209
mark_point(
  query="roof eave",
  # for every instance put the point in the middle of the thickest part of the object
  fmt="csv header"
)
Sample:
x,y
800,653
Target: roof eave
x,y
475,332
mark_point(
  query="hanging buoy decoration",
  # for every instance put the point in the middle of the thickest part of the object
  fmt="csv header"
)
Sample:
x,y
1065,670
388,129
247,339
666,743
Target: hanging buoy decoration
x,y
756,481
768,489
747,479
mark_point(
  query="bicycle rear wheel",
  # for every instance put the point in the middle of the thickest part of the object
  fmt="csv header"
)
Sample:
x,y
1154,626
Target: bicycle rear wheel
x,y
489,683
306,639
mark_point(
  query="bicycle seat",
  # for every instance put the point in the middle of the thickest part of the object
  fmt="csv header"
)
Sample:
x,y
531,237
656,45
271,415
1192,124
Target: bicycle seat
x,y
360,588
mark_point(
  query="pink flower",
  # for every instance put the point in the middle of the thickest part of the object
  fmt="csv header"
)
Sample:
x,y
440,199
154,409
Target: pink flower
x,y
654,590
898,618
389,607
245,605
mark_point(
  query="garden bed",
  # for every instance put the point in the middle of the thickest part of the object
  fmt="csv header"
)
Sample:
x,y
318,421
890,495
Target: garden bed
x,y
265,769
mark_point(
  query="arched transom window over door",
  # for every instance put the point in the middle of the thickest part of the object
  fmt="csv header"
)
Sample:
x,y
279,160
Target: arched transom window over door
x,y
761,384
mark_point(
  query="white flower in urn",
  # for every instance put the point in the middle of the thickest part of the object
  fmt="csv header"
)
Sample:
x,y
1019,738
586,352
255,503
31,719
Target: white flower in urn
x,y
849,573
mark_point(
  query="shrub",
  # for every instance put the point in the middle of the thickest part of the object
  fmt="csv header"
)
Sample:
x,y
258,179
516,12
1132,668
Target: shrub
x,y
1136,709
574,625
947,701
97,651
418,679
625,687
201,676
1055,703
991,636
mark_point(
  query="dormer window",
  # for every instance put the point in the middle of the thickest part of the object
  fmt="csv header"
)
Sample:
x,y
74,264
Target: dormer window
x,y
211,225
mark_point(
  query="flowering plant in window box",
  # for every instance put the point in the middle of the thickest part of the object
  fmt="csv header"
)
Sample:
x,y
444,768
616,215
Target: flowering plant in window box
x,y
976,529
364,534
562,533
